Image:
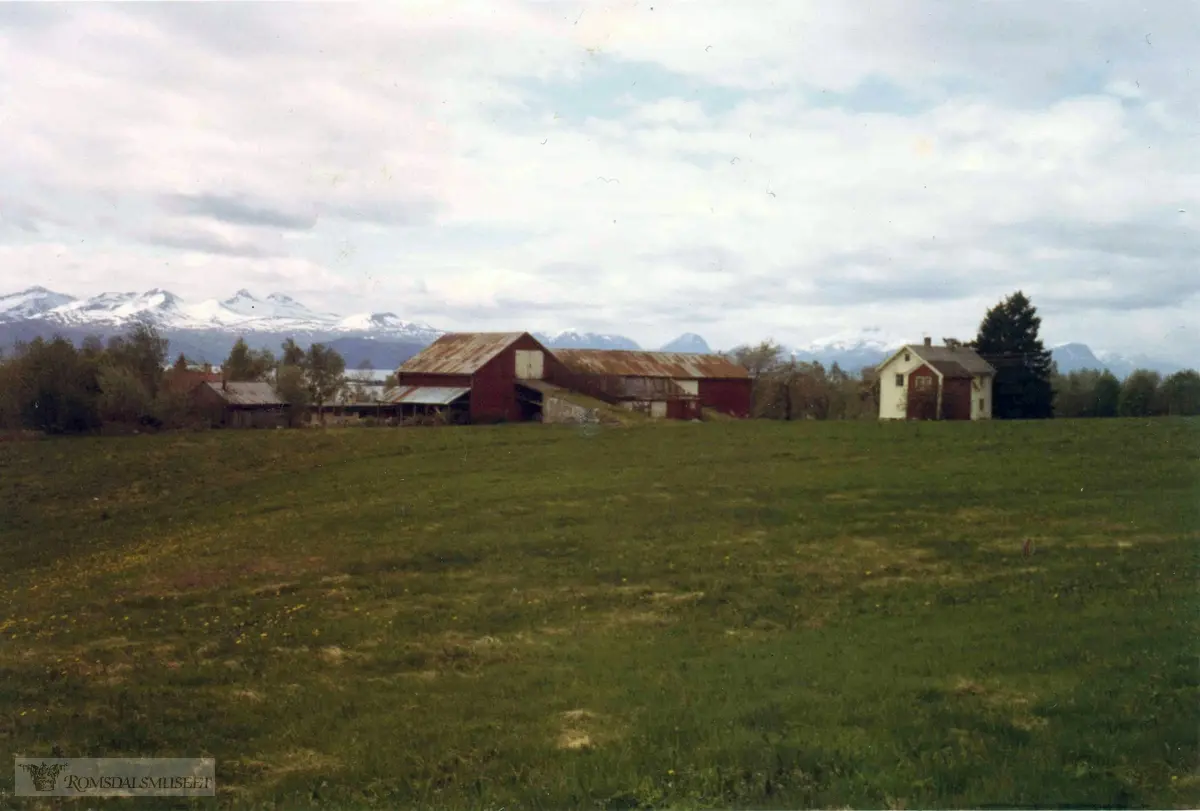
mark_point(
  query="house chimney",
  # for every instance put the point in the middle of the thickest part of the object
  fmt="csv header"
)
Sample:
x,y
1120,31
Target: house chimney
x,y
928,341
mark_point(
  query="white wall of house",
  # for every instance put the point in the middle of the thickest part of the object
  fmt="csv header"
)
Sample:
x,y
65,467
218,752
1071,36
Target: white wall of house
x,y
981,397
893,398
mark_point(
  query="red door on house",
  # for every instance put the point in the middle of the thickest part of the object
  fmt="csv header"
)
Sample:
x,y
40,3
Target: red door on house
x,y
922,394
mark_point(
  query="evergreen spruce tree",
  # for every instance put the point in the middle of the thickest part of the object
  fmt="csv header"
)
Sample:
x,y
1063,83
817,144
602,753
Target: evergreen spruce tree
x,y
1008,339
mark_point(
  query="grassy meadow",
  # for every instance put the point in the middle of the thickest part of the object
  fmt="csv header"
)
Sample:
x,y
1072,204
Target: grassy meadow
x,y
749,615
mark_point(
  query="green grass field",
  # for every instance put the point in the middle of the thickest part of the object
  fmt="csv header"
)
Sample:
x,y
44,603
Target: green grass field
x,y
750,615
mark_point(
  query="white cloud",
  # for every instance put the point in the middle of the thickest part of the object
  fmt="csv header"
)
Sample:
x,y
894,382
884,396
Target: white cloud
x,y
789,168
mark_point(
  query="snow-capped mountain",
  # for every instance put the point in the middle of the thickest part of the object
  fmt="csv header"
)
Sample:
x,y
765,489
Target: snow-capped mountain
x,y
574,339
30,303
243,312
852,350
688,342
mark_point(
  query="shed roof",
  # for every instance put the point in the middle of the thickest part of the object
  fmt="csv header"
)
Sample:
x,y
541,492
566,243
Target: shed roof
x,y
459,353
424,395
626,363
247,393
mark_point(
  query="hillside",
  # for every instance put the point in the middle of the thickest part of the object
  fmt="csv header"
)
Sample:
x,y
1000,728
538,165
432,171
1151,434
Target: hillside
x,y
753,615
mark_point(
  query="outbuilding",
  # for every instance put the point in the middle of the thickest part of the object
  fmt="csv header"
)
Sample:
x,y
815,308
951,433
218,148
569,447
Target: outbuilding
x,y
675,385
475,372
241,404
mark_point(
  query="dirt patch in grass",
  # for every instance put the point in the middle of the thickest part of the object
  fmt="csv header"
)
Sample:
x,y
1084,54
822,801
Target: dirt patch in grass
x,y
583,729
977,516
301,761
676,597
333,655
625,618
1013,704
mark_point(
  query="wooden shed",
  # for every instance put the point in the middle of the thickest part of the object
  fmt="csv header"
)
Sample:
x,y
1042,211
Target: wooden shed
x,y
243,404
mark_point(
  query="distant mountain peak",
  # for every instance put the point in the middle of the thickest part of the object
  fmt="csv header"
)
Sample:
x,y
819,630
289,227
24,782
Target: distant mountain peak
x,y
688,342
577,339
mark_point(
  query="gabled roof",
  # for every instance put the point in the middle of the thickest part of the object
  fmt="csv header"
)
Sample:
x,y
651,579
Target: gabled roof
x,y
625,363
459,353
962,356
245,393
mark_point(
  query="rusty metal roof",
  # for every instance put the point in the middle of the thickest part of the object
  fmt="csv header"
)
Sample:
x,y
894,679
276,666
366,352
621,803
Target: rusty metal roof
x,y
424,395
459,353
246,393
625,363
950,369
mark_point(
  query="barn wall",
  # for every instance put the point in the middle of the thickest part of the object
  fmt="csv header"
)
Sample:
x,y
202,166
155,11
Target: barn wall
x,y
683,409
255,418
922,404
956,399
494,386
730,397
436,381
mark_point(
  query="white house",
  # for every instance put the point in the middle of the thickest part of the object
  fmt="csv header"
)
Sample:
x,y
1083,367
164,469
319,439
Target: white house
x,y
935,382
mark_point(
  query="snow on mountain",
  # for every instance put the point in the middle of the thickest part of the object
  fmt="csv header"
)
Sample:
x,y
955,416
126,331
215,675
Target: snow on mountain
x,y
242,312
388,324
852,350
159,306
574,339
869,339
31,303
689,342
1075,357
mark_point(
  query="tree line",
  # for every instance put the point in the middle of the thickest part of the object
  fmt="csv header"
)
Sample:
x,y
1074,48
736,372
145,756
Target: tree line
x,y
1027,385
52,386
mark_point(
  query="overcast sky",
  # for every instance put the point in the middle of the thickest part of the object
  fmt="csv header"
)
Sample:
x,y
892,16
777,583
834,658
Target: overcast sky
x,y
737,169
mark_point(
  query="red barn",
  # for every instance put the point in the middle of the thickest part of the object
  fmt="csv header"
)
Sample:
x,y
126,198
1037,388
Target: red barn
x,y
666,384
476,372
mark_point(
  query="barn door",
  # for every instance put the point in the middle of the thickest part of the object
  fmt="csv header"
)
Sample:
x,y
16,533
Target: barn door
x,y
530,364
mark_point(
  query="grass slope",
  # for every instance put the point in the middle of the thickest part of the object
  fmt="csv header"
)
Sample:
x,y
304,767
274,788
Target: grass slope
x,y
724,615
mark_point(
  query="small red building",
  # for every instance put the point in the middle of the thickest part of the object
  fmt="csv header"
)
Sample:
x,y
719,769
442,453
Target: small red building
x,y
675,385
475,372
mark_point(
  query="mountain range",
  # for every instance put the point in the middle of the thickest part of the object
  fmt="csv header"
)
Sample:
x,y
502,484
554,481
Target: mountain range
x,y
206,330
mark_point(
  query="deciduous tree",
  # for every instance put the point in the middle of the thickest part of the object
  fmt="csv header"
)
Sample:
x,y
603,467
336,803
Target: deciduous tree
x,y
324,372
1181,394
1139,394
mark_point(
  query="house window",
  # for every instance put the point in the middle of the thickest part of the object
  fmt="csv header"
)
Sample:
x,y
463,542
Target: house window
x,y
982,404
923,383
907,357
899,380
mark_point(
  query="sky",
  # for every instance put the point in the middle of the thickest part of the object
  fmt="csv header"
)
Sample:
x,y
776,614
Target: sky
x,y
788,170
